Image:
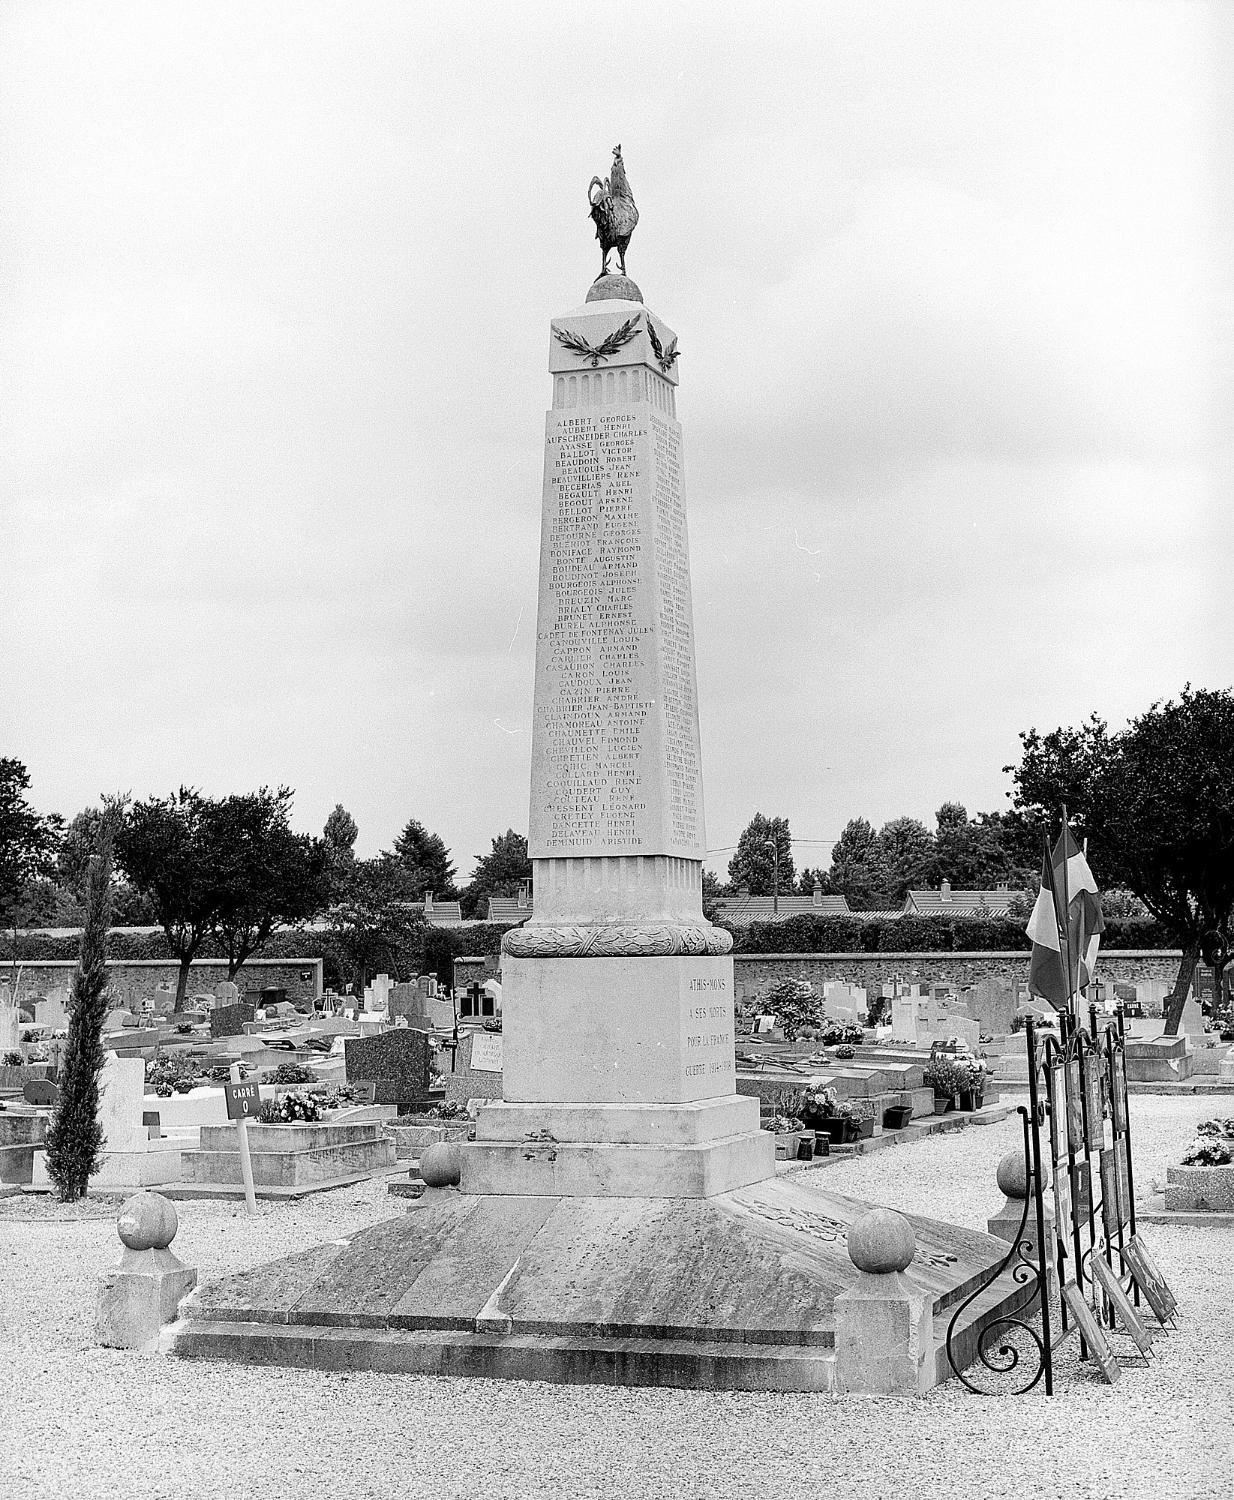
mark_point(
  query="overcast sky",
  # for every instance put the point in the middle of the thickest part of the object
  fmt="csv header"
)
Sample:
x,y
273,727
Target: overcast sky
x,y
273,350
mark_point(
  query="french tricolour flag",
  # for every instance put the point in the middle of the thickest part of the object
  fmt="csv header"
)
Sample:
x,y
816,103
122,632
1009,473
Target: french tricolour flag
x,y
1067,910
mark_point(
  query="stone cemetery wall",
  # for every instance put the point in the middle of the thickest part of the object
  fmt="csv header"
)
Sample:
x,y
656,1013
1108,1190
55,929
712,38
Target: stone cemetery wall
x,y
752,971
134,980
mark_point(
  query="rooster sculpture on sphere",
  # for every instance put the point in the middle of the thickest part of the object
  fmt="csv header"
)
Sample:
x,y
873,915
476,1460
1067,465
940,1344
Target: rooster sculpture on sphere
x,y
614,212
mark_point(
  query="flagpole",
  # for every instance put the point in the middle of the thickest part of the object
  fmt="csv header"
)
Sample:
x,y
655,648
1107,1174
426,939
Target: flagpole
x,y
1065,934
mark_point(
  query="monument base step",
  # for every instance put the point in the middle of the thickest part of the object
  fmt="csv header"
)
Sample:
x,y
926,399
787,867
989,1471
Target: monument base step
x,y
229,1192
539,1167
120,1171
731,1292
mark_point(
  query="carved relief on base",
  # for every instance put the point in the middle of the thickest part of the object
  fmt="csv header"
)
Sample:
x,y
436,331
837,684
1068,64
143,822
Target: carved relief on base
x,y
615,941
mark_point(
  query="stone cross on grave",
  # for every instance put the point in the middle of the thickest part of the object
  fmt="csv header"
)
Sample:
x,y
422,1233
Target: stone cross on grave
x,y
618,993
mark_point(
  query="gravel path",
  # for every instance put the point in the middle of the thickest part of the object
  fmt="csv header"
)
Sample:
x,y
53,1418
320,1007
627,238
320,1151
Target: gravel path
x,y
83,1421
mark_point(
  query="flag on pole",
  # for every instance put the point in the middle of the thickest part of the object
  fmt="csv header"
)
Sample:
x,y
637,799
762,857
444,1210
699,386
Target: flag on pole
x,y
1065,926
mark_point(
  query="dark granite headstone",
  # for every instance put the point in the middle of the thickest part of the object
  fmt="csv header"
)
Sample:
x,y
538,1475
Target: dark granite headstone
x,y
229,1020
397,1062
41,1092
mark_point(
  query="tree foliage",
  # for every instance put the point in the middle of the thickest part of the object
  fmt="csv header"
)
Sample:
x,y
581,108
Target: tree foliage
x,y
75,1137
28,845
854,870
339,838
375,923
427,862
166,848
753,866
498,873
1156,802
267,875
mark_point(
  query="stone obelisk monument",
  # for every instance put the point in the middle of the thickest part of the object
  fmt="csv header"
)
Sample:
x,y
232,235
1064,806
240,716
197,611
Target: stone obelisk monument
x,y
619,1074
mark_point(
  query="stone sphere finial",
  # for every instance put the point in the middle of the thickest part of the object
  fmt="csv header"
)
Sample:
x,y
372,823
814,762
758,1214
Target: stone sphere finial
x,y
1013,1174
881,1241
441,1164
148,1221
609,287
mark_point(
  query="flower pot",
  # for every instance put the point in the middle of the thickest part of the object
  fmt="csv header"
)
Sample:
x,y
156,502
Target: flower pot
x,y
805,1149
786,1145
966,1100
943,1103
840,1129
822,1143
897,1116
865,1129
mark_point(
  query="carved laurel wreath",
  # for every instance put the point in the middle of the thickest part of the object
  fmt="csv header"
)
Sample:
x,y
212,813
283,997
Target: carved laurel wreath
x,y
576,344
665,358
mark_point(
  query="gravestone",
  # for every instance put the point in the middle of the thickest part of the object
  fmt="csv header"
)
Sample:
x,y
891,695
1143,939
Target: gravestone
x,y
407,1003
10,1027
163,1001
845,1002
992,1004
477,1068
226,993
397,1062
230,1020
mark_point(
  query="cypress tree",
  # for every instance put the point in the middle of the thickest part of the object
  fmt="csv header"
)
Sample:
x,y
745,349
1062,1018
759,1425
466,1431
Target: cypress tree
x,y
75,1139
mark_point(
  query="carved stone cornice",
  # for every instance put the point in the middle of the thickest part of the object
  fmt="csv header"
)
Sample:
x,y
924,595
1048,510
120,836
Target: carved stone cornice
x,y
625,940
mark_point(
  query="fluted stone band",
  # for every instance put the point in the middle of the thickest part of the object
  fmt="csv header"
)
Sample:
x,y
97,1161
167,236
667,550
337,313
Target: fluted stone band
x,y
631,940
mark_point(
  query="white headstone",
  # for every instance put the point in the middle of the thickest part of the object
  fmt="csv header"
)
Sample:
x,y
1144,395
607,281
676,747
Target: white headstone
x,y
486,1051
226,992
121,1095
10,1028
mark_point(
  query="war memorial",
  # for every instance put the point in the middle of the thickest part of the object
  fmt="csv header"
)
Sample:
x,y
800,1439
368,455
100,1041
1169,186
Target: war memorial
x,y
618,1217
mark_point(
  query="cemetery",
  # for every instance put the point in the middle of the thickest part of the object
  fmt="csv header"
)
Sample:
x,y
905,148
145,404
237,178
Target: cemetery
x,y
370,1183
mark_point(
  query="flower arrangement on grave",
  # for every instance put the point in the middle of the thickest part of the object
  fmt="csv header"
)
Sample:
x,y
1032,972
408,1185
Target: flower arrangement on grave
x,y
447,1110
13,1060
171,1073
820,1104
834,1034
844,1052
341,1097
784,1124
945,1075
292,1109
1213,1145
291,1073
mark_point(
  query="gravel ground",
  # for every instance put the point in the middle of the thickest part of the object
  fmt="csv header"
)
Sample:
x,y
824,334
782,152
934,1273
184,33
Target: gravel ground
x,y
96,1422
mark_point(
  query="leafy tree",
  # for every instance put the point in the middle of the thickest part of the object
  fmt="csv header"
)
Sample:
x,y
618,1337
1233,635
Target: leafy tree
x,y
754,864
267,875
854,857
806,881
339,836
375,921
427,861
28,845
794,1003
166,846
499,873
75,1137
903,853
1157,803
129,908
976,853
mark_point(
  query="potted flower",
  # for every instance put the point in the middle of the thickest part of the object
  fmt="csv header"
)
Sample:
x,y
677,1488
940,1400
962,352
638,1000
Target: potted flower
x,y
863,1119
972,1089
788,1130
947,1078
830,1116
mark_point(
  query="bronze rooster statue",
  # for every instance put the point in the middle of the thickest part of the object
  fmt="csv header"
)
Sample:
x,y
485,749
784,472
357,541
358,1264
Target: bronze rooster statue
x,y
614,212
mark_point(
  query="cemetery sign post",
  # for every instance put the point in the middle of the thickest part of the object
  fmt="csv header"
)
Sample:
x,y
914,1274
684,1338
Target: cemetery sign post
x,y
243,1100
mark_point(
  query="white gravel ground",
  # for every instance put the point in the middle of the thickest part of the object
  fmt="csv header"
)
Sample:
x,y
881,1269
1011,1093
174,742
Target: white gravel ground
x,y
78,1421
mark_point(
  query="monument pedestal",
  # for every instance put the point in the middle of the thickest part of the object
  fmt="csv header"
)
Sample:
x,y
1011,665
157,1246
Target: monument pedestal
x,y
619,1081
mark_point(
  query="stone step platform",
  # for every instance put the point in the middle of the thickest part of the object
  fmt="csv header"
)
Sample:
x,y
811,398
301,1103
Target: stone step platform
x,y
915,1130
289,1156
234,1193
731,1292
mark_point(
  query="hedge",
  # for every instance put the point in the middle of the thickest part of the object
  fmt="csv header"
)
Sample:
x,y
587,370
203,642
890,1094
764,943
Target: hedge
x,y
437,947
915,934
